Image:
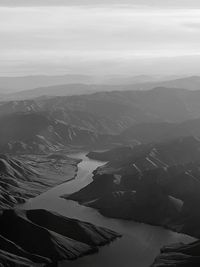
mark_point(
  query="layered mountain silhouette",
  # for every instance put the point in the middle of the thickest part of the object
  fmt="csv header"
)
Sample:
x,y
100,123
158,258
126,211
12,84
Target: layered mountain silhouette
x,y
36,86
20,83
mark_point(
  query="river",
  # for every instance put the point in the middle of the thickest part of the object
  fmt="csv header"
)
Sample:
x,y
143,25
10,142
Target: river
x,y
140,243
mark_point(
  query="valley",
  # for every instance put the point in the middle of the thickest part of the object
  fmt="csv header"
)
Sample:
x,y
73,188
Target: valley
x,y
126,163
140,243
99,133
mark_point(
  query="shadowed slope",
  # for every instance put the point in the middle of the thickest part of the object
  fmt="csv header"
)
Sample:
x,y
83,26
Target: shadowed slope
x,y
53,237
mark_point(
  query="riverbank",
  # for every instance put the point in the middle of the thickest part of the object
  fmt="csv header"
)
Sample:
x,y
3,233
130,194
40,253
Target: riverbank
x,y
61,237
140,243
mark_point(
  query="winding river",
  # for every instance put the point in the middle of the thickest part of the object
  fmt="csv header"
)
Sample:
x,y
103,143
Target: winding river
x,y
140,243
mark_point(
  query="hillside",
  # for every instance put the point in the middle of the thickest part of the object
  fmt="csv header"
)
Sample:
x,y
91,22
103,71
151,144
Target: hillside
x,y
100,119
156,184
179,255
35,132
113,112
24,177
154,132
46,238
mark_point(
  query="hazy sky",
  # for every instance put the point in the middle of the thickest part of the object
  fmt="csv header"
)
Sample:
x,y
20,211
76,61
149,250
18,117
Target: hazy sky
x,y
106,37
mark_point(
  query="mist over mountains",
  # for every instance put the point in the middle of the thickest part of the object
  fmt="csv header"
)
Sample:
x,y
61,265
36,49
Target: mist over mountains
x,y
99,133
36,86
150,137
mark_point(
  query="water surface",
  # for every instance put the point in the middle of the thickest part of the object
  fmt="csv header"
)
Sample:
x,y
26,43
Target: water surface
x,y
140,243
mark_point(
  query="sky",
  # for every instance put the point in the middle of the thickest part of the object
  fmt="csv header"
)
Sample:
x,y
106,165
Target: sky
x,y
99,37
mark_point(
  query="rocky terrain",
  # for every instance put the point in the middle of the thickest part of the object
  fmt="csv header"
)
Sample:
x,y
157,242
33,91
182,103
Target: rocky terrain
x,y
156,184
158,132
46,238
152,173
103,119
26,176
179,255
38,133
39,237
113,112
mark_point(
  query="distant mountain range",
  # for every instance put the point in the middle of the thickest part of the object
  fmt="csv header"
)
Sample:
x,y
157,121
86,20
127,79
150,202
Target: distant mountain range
x,y
189,83
20,83
37,86
14,84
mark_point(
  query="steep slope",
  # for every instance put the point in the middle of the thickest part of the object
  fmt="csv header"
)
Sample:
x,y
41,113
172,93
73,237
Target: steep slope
x,y
154,132
179,255
113,112
36,132
47,238
47,124
150,156
12,254
157,184
26,177
7,259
